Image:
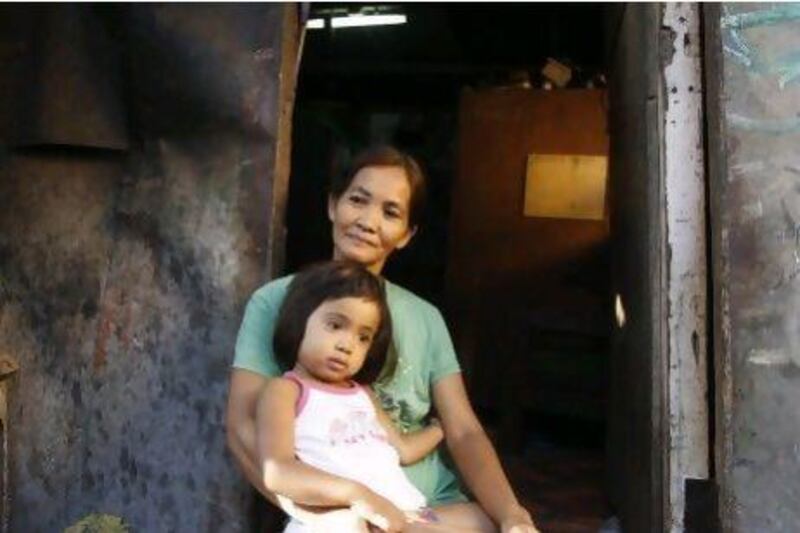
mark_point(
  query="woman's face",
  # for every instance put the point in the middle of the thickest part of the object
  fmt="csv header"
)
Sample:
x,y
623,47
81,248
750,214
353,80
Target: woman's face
x,y
370,219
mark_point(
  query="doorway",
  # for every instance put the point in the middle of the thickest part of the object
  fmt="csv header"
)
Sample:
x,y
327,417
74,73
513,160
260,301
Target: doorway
x,y
571,397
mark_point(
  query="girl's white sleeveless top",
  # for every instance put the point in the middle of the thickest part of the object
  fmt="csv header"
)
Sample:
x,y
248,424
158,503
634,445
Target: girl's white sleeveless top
x,y
337,430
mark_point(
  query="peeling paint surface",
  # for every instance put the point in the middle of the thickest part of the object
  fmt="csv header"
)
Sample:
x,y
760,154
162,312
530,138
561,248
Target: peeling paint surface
x,y
755,220
685,271
124,277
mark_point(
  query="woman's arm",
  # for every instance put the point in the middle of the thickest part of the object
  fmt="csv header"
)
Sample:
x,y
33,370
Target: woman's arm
x,y
410,446
240,425
475,456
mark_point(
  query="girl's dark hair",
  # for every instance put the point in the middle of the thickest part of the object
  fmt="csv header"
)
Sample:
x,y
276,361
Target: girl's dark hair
x,y
317,284
388,156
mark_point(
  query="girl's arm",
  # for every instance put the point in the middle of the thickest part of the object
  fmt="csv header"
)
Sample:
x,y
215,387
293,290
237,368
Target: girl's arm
x,y
410,446
475,456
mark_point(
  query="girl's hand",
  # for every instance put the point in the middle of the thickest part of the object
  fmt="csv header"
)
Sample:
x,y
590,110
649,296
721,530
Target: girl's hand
x,y
518,521
437,425
379,512
521,528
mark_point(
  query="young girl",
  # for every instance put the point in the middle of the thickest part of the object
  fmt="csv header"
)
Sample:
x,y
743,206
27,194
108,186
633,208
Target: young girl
x,y
334,331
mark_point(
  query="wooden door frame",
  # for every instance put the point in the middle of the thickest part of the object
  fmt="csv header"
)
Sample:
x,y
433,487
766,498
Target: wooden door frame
x,y
293,34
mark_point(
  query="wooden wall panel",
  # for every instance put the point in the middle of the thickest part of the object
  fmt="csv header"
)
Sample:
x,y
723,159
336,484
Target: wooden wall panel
x,y
507,271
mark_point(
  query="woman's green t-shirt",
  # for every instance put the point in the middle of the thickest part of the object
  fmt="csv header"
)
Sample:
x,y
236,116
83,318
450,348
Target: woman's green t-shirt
x,y
421,347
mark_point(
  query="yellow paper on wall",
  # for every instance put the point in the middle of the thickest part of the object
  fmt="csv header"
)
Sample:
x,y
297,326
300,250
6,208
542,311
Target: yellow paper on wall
x,y
566,186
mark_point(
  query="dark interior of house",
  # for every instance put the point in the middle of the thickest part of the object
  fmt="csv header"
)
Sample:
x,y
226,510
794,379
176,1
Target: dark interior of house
x,y
471,90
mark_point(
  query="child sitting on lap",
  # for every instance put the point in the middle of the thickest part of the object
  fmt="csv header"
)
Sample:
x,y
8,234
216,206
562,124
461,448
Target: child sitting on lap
x,y
323,439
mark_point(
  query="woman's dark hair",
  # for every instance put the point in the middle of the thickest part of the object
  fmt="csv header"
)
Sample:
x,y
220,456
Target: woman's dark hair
x,y
388,156
317,284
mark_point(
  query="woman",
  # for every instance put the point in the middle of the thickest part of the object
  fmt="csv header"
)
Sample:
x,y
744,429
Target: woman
x,y
374,210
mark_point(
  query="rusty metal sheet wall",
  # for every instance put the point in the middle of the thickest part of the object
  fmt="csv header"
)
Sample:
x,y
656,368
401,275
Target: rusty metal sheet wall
x,y
754,91
123,276
62,69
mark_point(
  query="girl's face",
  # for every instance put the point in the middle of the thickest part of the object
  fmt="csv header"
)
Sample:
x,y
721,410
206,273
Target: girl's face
x,y
370,219
337,337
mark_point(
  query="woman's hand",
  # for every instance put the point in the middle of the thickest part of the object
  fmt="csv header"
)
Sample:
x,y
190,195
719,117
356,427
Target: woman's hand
x,y
518,521
379,512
